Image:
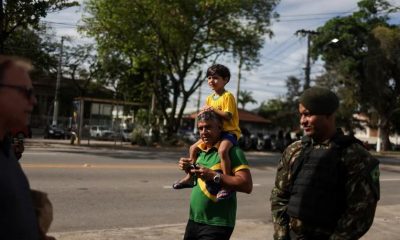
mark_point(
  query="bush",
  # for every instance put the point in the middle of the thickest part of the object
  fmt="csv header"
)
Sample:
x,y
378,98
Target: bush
x,y
138,136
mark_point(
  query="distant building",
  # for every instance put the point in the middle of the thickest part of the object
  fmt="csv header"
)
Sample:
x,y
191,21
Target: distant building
x,y
369,134
247,120
45,89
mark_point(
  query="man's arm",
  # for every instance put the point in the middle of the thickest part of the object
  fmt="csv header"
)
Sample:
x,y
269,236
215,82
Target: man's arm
x,y
362,191
241,181
193,150
280,194
279,200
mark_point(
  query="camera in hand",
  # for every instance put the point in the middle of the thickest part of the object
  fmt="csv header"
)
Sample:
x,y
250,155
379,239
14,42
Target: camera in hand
x,y
194,166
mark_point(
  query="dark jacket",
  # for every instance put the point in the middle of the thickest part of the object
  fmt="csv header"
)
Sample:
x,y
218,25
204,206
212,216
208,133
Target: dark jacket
x,y
17,215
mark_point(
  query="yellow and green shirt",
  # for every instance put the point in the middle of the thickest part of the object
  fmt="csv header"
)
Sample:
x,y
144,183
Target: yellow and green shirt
x,y
204,207
226,103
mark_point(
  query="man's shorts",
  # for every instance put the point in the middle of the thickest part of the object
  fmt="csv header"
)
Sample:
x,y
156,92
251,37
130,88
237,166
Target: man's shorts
x,y
229,136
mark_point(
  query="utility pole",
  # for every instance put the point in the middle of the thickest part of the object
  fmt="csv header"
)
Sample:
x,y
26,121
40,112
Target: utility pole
x,y
307,69
57,93
198,110
239,77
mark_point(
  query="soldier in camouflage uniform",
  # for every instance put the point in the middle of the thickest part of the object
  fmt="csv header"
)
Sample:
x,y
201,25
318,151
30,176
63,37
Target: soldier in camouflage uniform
x,y
327,184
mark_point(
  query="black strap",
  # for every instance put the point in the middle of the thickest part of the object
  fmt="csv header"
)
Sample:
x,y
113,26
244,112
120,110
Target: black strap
x,y
306,148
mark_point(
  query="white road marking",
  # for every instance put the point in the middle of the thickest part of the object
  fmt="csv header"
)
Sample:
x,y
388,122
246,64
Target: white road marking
x,y
390,179
41,153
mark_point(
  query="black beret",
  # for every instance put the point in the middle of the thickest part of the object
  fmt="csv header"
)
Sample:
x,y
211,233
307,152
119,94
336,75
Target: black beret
x,y
319,101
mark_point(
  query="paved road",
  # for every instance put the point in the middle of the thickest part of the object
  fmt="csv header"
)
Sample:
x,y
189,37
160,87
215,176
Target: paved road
x,y
117,194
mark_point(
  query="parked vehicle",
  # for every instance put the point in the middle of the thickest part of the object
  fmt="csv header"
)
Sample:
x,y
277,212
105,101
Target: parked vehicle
x,y
54,132
245,141
260,143
277,143
126,134
188,136
101,132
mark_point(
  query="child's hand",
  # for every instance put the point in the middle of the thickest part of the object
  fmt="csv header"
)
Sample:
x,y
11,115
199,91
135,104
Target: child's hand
x,y
208,109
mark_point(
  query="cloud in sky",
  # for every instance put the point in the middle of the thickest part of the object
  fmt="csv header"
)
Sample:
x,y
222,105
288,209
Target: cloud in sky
x,y
281,56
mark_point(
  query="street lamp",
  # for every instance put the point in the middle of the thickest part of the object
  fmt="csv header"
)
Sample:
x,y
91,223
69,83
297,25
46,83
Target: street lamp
x,y
335,40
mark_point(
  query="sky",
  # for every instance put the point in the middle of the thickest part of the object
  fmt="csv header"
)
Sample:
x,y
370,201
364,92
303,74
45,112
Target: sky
x,y
282,56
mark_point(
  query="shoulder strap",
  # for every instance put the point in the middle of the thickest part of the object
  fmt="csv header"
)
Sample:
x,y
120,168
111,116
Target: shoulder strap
x,y
303,155
344,141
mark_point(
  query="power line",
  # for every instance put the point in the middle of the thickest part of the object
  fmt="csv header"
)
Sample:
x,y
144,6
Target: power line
x,y
284,50
315,14
292,36
281,45
303,19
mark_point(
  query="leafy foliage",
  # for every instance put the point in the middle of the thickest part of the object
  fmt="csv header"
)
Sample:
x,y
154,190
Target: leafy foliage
x,y
169,41
366,60
38,46
23,14
245,97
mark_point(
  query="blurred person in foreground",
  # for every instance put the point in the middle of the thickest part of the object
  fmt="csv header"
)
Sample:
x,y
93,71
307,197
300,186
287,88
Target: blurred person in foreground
x,y
18,219
327,183
212,219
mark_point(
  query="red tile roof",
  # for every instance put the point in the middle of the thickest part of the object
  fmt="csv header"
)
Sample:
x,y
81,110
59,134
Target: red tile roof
x,y
247,116
244,116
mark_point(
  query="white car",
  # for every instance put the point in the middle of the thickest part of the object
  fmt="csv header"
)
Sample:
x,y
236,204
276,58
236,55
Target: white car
x,y
126,135
100,132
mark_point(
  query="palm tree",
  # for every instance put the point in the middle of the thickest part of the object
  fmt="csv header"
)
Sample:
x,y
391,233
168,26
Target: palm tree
x,y
245,97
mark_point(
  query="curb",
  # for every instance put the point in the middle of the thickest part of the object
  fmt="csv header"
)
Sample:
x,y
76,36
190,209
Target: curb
x,y
245,229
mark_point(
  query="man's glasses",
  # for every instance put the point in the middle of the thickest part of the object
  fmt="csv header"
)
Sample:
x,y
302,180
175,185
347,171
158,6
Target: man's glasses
x,y
27,92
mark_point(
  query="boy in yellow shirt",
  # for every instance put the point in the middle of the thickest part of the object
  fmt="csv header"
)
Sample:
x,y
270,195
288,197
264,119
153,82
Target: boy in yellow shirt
x,y
224,105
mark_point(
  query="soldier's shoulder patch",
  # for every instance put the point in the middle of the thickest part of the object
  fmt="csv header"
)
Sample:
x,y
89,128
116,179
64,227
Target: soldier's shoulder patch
x,y
375,174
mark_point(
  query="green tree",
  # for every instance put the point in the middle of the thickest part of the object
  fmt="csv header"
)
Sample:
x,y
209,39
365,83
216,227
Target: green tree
x,y
274,110
176,38
283,111
294,90
246,97
80,65
367,58
133,79
23,14
38,46
291,106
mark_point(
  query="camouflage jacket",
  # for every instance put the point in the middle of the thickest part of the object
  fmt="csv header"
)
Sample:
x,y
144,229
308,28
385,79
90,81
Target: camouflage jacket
x,y
361,189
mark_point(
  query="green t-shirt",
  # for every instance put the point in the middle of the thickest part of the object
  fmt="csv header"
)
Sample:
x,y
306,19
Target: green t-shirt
x,y
204,207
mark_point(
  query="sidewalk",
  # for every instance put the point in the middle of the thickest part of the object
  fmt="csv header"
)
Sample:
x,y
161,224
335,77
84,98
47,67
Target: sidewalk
x,y
385,226
245,229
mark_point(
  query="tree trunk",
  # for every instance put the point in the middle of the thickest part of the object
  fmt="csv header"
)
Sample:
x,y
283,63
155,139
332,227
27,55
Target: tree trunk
x,y
384,129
